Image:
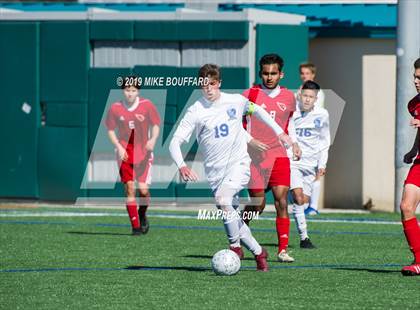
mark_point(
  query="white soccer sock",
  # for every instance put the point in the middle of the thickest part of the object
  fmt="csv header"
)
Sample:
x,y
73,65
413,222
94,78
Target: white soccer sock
x,y
316,192
245,234
247,239
231,227
237,231
299,215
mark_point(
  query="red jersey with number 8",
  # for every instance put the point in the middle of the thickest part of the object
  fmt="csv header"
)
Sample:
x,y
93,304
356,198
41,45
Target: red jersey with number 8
x,y
281,108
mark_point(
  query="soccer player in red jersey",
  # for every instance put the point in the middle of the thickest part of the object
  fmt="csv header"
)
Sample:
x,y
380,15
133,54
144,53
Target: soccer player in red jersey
x,y
411,193
137,121
270,169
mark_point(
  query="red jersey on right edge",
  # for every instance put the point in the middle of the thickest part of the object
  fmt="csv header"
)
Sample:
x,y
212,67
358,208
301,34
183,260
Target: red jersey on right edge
x,y
414,109
413,176
280,108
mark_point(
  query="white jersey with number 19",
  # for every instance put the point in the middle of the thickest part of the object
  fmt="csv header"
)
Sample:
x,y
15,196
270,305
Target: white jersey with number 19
x,y
219,132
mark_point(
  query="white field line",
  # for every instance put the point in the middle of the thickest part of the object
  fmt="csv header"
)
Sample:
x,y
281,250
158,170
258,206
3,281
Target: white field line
x,y
11,214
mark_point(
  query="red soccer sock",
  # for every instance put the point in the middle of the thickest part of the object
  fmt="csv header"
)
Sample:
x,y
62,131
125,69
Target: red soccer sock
x,y
412,234
283,227
132,214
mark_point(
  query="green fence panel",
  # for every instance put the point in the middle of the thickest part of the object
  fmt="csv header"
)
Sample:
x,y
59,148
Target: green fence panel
x,y
170,115
191,31
117,191
157,191
235,78
187,95
111,30
230,31
64,61
194,31
62,161
290,42
204,193
156,30
61,114
19,97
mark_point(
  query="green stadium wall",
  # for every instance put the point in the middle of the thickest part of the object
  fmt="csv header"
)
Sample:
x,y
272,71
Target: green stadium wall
x,y
46,64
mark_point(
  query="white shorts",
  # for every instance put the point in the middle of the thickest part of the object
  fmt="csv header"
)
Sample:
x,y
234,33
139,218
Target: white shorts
x,y
302,178
233,181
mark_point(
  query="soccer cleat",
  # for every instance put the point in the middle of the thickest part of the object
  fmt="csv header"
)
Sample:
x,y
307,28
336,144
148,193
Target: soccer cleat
x,y
261,260
238,251
284,257
311,211
136,231
306,244
412,270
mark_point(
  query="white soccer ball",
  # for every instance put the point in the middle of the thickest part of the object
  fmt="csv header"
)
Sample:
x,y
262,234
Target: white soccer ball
x,y
225,263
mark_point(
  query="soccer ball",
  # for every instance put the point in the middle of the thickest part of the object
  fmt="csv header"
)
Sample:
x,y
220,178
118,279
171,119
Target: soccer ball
x,y
225,263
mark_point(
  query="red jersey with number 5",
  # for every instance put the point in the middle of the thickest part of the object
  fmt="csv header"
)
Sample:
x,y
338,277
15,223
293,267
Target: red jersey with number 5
x,y
133,124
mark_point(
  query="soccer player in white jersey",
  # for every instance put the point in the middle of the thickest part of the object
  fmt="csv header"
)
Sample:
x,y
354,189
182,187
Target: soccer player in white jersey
x,y
216,119
307,72
313,135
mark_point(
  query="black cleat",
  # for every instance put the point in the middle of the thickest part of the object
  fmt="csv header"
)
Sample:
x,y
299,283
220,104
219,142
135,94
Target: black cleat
x,y
306,244
136,232
144,225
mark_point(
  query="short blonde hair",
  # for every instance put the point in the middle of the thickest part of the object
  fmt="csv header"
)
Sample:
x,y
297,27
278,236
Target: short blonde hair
x,y
308,65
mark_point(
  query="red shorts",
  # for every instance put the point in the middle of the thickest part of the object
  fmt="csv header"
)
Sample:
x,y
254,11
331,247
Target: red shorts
x,y
413,176
265,178
140,172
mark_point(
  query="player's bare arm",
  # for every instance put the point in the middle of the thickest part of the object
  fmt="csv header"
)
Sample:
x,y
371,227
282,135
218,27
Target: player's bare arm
x,y
186,173
150,145
120,149
285,140
265,117
258,145
321,172
415,123
408,158
297,152
255,144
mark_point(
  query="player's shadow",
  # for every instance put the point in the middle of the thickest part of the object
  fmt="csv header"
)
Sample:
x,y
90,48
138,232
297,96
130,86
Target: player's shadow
x,y
194,269
367,270
97,233
210,257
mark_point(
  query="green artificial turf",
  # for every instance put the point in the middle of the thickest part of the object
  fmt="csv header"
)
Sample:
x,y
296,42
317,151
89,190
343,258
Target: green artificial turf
x,y
93,262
